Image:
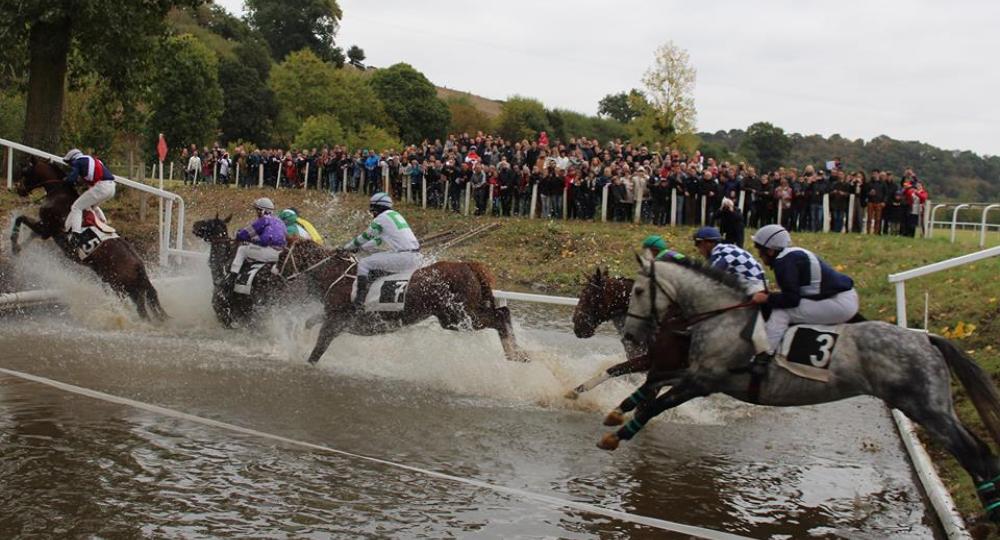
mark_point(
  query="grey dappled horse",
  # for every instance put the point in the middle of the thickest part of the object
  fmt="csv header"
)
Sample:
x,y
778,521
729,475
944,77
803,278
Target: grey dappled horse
x,y
906,369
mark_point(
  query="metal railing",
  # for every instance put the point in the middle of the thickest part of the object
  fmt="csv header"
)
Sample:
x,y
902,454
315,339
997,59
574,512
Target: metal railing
x,y
166,217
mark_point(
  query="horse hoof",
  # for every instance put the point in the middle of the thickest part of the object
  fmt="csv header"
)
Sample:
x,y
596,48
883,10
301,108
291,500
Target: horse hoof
x,y
572,394
609,442
614,418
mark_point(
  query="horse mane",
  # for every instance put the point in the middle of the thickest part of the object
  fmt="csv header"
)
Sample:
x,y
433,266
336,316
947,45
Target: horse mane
x,y
720,276
57,172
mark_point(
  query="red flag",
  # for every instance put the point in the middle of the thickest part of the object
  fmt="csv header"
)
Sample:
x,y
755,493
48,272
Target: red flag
x,y
161,148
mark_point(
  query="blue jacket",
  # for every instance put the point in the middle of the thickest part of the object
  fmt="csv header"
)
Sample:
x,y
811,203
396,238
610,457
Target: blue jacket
x,y
89,170
372,162
801,274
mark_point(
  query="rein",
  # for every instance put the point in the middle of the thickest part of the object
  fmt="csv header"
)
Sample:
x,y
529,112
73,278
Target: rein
x,y
680,320
296,272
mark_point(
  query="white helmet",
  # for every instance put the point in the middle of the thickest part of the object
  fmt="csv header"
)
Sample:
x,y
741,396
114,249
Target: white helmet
x,y
72,154
381,199
264,204
772,237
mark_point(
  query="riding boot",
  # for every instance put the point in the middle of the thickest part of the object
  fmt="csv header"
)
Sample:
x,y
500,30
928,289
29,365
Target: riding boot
x,y
362,292
229,281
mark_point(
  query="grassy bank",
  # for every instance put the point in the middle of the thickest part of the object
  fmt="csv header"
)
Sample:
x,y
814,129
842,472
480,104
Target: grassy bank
x,y
553,257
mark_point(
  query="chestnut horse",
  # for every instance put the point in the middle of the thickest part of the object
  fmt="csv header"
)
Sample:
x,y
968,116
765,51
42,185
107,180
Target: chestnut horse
x,y
115,260
459,294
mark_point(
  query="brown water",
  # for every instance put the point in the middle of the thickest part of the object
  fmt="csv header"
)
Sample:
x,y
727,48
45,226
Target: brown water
x,y
75,466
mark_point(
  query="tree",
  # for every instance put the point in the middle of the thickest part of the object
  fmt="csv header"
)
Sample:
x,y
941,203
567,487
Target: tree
x,y
372,138
187,101
319,130
669,84
292,25
521,118
357,56
411,102
620,106
121,55
465,117
248,110
766,146
11,115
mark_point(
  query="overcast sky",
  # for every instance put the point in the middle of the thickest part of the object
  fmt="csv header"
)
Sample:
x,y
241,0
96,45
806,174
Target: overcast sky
x,y
912,70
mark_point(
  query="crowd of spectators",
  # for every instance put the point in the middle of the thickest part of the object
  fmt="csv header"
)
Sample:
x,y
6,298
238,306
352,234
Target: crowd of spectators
x,y
570,178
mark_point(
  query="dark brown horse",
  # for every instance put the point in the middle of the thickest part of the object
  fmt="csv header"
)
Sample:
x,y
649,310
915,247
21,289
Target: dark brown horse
x,y
459,294
232,309
115,260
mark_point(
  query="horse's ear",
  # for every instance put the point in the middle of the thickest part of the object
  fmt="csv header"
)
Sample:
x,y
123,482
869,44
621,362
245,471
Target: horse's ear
x,y
216,216
228,219
638,260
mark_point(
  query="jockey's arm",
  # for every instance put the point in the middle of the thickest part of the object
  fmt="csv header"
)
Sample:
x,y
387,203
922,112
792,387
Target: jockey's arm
x,y
788,280
369,240
76,171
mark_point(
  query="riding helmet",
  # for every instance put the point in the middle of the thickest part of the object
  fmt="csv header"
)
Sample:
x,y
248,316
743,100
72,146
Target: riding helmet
x,y
72,154
772,237
264,204
654,241
708,233
381,199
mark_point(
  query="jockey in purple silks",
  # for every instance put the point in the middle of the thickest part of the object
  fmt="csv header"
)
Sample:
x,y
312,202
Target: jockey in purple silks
x,y
266,236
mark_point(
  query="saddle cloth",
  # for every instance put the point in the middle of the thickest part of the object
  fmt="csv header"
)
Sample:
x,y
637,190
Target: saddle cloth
x,y
244,280
806,350
386,293
91,238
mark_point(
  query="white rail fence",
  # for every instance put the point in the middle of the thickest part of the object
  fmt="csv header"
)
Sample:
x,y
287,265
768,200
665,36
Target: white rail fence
x,y
171,237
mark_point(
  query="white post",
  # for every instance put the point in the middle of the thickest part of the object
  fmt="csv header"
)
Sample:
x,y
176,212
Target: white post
x,y
954,220
826,212
704,203
780,207
489,202
850,214
343,185
236,181
447,186
260,175
673,207
305,181
534,200
171,171
277,181
195,181
565,200
637,211
742,198
168,217
10,167
930,227
604,201
423,192
164,241
982,226
901,303
468,197
385,177
925,219
215,173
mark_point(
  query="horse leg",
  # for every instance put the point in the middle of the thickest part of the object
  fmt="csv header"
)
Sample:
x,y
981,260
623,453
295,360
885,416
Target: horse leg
x,y
332,326
137,294
972,453
35,226
505,328
642,396
685,390
632,365
153,300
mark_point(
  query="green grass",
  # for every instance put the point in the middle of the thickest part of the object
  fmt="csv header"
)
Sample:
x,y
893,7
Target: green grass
x,y
554,257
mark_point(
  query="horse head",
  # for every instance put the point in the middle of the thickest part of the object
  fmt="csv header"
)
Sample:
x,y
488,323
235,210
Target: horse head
x,y
591,307
649,300
36,173
212,229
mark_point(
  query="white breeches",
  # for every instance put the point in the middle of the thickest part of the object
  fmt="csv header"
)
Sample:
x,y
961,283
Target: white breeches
x,y
390,262
834,310
254,253
94,196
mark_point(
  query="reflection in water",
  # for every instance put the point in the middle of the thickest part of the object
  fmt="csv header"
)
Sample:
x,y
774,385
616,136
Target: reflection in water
x,y
72,466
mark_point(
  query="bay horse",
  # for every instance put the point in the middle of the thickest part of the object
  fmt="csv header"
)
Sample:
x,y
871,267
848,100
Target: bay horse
x,y
115,260
459,294
908,370
232,309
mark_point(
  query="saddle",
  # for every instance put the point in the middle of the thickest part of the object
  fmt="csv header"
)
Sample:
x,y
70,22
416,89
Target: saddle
x,y
387,292
95,232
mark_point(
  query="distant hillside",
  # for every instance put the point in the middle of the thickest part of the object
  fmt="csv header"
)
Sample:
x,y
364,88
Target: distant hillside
x,y
489,107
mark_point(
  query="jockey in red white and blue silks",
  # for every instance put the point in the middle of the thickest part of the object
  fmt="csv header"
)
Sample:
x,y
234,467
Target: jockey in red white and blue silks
x,y
93,173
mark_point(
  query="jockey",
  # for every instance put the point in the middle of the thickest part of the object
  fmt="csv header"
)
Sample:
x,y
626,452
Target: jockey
x,y
267,237
390,230
298,227
730,258
812,291
657,247
101,182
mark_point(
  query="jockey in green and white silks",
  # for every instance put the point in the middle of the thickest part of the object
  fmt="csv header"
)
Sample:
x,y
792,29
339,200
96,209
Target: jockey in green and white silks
x,y
390,233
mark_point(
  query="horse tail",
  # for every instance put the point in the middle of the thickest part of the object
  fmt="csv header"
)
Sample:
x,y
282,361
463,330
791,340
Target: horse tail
x,y
486,283
976,382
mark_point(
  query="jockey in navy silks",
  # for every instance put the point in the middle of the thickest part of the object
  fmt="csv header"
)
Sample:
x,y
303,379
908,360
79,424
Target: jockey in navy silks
x,y
101,182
